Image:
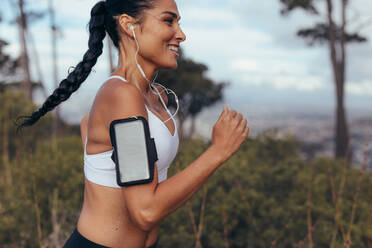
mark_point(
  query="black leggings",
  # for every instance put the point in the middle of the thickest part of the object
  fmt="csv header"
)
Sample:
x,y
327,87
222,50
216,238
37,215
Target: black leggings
x,y
77,240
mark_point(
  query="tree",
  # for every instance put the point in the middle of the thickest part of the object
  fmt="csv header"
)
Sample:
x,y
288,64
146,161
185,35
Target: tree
x,y
194,89
23,19
11,70
260,198
25,60
54,35
37,203
8,65
336,37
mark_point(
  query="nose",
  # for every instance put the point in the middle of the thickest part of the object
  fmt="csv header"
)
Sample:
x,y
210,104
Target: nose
x,y
180,35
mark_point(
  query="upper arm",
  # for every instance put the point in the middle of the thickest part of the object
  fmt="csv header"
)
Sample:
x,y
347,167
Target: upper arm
x,y
126,101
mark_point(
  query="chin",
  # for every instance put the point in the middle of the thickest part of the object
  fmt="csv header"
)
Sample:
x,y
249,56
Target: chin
x,y
173,65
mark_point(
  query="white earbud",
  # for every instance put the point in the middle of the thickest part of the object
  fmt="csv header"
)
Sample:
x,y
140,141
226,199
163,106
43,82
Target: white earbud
x,y
135,56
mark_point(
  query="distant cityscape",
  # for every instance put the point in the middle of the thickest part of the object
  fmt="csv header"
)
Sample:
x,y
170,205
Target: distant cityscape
x,y
314,132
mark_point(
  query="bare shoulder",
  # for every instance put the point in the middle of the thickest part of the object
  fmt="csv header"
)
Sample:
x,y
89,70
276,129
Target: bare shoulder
x,y
118,100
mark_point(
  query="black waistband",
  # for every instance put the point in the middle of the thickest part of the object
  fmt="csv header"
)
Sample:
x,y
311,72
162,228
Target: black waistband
x,y
77,240
155,245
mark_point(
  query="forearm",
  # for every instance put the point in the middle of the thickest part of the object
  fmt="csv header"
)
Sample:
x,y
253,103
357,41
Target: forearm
x,y
156,201
175,191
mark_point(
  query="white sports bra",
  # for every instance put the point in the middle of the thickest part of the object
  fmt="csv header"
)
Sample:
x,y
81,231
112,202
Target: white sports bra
x,y
100,169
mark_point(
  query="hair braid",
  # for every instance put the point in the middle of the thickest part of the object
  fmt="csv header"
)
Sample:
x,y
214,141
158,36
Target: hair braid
x,y
81,71
102,20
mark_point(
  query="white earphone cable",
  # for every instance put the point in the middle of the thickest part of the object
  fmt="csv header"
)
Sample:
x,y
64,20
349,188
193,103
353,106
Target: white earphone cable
x,y
151,84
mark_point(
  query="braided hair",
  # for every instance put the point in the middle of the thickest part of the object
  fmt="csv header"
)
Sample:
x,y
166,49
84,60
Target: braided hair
x,y
102,20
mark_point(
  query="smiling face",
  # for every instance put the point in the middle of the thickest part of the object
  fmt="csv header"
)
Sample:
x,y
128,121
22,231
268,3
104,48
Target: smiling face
x,y
159,35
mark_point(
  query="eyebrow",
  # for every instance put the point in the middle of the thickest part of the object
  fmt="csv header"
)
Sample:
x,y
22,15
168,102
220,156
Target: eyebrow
x,y
174,15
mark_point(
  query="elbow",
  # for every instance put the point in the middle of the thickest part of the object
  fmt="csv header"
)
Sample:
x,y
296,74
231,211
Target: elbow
x,y
146,220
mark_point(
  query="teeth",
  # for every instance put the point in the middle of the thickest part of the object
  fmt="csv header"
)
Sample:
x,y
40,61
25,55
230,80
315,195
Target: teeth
x,y
173,48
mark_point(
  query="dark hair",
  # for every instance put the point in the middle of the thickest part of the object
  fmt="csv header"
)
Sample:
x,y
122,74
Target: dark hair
x,y
102,20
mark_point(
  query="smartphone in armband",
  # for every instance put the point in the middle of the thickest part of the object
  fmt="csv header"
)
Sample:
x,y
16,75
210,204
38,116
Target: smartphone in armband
x,y
134,152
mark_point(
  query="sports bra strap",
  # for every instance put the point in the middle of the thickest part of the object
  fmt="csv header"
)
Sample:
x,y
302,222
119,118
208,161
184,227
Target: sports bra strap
x,y
118,77
157,91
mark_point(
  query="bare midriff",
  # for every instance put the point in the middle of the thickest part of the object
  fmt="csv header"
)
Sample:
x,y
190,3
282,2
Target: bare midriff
x,y
105,220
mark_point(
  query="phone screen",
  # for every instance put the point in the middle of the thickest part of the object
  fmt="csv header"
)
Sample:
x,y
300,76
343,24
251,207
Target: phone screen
x,y
131,151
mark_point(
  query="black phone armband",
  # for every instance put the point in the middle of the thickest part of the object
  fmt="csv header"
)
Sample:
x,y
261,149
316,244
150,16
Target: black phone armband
x,y
134,151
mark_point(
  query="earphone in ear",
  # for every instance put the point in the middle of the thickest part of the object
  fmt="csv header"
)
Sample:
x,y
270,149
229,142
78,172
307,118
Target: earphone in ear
x,y
131,27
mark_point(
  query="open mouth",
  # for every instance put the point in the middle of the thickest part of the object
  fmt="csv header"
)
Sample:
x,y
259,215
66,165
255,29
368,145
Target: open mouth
x,y
174,49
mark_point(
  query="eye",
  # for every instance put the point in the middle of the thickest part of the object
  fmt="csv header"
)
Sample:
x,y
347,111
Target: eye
x,y
169,20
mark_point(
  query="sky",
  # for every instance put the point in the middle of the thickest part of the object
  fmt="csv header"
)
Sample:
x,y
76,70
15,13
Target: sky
x,y
247,43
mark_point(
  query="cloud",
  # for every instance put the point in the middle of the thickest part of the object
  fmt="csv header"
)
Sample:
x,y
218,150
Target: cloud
x,y
226,42
200,16
285,82
268,65
276,74
359,88
245,42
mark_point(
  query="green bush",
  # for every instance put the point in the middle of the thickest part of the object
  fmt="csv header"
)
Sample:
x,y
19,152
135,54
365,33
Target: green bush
x,y
263,193
258,198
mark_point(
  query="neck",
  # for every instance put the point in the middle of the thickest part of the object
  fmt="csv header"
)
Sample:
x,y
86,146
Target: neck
x,y
128,69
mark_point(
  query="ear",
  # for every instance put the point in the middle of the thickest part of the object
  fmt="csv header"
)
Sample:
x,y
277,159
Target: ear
x,y
125,22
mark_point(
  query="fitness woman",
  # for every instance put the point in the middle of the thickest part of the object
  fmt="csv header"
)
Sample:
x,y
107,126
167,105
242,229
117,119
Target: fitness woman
x,y
147,35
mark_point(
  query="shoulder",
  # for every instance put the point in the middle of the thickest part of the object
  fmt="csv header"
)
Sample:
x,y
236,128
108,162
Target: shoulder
x,y
118,100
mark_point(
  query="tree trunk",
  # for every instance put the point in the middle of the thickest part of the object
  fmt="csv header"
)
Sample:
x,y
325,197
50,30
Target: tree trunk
x,y
37,213
181,121
53,29
36,62
56,225
342,134
225,231
342,137
341,130
5,149
22,24
192,127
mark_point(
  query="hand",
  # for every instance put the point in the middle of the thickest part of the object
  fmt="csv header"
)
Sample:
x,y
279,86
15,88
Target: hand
x,y
229,132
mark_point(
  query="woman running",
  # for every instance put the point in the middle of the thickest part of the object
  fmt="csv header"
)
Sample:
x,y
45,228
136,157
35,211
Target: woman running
x,y
147,35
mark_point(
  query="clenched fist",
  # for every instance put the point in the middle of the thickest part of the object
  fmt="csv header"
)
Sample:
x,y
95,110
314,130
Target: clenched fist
x,y
229,132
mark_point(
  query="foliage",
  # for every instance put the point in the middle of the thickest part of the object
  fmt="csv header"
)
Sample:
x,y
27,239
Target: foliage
x,y
320,33
34,167
13,105
8,65
262,191
289,5
55,168
257,199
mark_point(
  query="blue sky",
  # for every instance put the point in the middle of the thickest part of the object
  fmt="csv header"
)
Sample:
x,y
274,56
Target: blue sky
x,y
247,43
